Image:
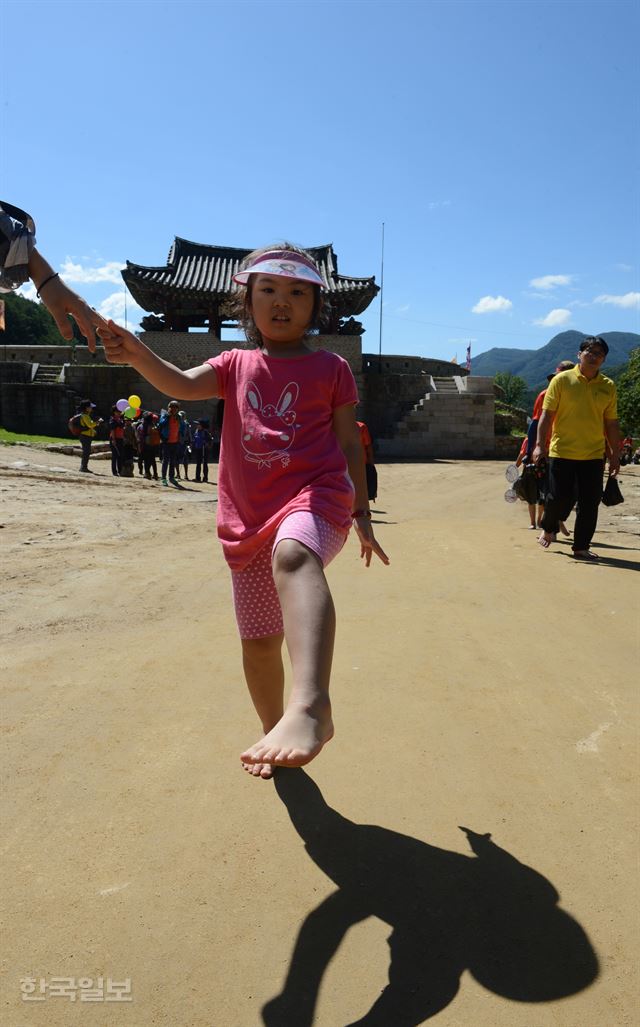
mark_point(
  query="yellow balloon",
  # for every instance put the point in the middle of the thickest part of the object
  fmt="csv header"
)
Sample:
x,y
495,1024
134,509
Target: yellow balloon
x,y
135,402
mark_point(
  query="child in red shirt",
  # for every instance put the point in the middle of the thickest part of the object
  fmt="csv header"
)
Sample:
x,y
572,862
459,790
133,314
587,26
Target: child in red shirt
x,y
291,480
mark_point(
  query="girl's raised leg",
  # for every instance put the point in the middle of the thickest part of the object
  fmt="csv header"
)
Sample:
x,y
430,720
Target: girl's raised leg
x,y
309,631
264,674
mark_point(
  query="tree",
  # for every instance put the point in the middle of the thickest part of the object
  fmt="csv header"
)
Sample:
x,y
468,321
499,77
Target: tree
x,y
513,386
28,324
628,386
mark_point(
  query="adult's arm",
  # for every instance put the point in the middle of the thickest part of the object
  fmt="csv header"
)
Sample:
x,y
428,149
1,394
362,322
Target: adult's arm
x,y
612,431
20,260
61,301
544,430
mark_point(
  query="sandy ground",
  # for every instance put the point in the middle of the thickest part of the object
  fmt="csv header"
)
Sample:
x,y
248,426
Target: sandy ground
x,y
478,681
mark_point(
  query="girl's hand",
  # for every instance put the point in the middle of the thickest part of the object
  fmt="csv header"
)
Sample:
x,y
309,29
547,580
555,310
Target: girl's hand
x,y
368,543
120,346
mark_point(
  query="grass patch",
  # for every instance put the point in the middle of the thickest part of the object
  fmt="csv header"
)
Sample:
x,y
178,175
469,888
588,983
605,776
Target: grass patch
x,y
9,438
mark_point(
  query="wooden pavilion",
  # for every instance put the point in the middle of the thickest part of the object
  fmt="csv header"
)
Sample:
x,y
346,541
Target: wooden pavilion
x,y
195,288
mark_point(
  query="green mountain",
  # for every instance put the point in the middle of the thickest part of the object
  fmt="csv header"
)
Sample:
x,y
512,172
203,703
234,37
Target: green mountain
x,y
535,365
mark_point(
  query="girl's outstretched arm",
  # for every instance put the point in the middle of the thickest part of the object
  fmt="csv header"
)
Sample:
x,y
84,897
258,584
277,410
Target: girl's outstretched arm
x,y
348,434
122,347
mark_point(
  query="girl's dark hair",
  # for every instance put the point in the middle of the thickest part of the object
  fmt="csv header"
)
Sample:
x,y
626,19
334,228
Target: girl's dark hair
x,y
241,309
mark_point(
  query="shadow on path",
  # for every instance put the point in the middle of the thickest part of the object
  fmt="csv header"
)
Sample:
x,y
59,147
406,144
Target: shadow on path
x,y
487,913
606,561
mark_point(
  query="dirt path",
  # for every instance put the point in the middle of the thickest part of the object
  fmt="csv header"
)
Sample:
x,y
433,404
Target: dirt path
x,y
478,681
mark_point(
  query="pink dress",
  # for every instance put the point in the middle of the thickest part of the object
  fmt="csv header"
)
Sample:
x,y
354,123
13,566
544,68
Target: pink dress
x,y
279,454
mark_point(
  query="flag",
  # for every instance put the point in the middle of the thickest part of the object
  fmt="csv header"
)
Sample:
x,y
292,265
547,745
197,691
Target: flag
x,y
469,358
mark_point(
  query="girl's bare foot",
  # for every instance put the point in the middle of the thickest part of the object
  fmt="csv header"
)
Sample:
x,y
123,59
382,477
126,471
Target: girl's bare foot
x,y
297,737
563,529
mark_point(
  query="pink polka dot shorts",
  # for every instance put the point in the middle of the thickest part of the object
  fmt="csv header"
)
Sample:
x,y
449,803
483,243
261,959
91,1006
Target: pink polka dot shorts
x,y
255,597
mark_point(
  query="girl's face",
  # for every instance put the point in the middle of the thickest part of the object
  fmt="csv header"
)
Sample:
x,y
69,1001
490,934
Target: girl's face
x,y
281,307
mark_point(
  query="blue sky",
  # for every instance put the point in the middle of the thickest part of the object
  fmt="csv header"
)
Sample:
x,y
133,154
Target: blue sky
x,y
498,142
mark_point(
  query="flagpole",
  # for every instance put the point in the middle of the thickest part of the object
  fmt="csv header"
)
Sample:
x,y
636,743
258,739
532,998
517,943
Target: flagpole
x,y
381,291
125,307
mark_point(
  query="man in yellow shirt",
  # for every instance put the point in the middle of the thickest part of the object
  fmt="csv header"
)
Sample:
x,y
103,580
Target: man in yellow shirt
x,y
87,432
580,412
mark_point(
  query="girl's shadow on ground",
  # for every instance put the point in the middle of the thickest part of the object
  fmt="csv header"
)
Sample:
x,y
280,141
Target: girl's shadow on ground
x,y
487,913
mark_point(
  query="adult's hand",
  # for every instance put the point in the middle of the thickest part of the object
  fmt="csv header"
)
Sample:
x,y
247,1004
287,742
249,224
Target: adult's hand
x,y
538,454
61,301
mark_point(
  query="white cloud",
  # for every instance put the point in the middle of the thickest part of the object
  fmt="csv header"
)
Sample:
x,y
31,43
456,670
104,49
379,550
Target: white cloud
x,y
624,267
28,291
555,318
434,204
492,305
78,274
114,306
550,281
403,310
630,299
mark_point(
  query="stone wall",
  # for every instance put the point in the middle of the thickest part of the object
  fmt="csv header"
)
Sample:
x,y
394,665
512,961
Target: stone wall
x,y
36,409
21,371
51,355
411,365
386,398
507,447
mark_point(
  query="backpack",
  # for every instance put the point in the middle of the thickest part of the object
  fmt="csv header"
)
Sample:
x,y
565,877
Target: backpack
x,y
153,436
74,424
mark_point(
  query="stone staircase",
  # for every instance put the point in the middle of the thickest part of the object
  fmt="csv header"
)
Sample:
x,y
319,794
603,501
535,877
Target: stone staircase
x,y
454,419
48,374
445,386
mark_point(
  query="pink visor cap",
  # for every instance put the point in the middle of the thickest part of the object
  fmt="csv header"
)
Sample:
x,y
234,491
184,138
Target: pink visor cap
x,y
285,263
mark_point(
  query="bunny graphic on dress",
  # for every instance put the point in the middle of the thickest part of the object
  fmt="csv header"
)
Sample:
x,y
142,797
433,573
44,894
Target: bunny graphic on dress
x,y
268,431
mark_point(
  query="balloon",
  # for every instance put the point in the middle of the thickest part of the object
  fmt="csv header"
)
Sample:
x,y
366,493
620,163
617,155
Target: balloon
x,y
138,411
135,401
130,413
122,405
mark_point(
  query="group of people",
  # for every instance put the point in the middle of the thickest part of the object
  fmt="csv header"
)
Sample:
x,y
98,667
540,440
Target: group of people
x,y
573,432
168,438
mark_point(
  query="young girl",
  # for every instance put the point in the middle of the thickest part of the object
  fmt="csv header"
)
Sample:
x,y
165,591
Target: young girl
x,y
291,480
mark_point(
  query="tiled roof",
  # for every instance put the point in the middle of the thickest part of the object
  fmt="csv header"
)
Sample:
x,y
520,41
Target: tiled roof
x,y
200,276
